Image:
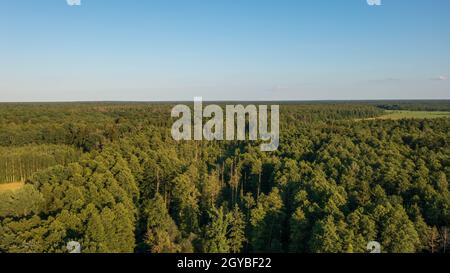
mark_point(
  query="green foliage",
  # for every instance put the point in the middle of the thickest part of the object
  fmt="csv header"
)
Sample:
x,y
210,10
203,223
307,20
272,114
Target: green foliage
x,y
397,232
23,202
225,231
19,163
111,177
215,238
236,232
162,233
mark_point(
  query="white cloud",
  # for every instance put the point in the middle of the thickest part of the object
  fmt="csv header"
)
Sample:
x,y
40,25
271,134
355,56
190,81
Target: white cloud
x,y
73,2
440,78
374,2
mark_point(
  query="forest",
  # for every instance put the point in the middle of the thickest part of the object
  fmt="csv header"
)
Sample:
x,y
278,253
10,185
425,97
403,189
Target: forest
x,y
110,176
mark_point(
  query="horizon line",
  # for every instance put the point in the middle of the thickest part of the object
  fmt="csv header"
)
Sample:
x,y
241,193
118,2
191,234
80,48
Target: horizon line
x,y
221,101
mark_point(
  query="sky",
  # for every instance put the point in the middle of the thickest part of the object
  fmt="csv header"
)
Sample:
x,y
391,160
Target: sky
x,y
144,50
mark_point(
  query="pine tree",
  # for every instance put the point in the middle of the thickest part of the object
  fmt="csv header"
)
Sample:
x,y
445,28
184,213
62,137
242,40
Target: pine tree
x,y
94,236
398,234
162,233
325,237
215,238
236,233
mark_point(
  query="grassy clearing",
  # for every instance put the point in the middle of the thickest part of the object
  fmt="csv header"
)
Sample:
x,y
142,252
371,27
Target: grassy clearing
x,y
403,114
11,186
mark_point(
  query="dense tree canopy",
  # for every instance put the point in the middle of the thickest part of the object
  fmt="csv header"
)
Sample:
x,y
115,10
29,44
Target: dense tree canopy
x,y
111,177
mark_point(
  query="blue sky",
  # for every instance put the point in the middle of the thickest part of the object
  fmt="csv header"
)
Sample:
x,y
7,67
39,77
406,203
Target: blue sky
x,y
224,49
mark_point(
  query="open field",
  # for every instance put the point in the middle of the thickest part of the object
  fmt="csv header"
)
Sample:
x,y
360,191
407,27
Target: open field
x,y
11,186
403,114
